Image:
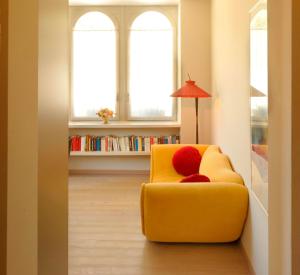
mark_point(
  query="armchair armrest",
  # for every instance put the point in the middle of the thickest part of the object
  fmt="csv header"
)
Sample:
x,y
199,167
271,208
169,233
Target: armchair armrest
x,y
193,212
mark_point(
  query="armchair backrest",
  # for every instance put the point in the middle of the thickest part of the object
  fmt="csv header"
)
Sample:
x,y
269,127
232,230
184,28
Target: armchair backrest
x,y
162,169
214,164
217,166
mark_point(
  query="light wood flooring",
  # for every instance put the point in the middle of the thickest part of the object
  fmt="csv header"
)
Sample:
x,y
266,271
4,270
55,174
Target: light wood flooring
x,y
105,236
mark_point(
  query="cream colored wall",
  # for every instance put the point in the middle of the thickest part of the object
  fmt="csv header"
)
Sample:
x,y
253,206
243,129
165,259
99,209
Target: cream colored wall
x,y
195,27
231,112
37,131
280,136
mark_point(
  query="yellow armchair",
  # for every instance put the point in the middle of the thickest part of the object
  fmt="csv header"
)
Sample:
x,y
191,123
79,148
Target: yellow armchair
x,y
193,212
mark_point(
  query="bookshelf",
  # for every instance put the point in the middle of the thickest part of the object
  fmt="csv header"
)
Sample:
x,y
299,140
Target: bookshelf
x,y
116,145
121,160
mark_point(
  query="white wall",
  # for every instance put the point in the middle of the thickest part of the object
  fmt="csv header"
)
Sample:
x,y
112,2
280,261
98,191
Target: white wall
x,y
231,112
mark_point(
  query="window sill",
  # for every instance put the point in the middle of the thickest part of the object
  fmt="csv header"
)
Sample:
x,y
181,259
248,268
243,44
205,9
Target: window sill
x,y
123,124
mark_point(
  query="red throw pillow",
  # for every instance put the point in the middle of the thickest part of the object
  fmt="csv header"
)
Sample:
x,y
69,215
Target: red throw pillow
x,y
186,160
196,178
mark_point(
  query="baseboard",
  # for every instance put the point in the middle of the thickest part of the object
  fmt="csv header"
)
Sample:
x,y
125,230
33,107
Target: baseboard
x,y
247,258
73,172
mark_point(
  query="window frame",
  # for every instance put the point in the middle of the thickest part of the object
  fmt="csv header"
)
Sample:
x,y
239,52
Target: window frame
x,y
123,17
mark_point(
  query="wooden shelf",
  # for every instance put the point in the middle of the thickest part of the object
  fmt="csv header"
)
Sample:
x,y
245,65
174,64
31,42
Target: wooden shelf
x,y
123,125
108,154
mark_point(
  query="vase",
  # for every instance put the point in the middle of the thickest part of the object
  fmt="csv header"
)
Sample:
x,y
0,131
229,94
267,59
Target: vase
x,y
105,120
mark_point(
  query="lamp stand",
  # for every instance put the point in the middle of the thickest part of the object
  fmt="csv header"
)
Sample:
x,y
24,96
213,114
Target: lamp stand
x,y
197,128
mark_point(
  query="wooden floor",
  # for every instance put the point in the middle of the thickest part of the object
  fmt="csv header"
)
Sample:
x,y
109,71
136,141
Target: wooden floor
x,y
105,236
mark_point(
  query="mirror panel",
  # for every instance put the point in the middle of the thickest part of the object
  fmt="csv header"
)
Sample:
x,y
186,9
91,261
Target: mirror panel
x,y
259,101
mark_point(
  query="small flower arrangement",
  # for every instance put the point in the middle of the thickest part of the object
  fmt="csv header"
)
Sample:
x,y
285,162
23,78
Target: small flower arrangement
x,y
105,114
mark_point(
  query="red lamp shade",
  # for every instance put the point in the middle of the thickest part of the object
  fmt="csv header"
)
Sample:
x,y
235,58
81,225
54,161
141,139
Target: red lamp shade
x,y
191,90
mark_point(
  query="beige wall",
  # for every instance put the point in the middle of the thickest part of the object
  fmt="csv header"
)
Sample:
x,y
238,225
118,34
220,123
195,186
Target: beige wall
x,y
3,132
196,59
231,112
37,129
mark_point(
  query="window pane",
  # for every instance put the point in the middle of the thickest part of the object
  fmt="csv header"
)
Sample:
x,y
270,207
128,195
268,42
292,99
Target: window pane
x,y
94,65
151,68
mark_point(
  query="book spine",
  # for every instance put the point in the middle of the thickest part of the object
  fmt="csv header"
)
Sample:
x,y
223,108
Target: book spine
x,y
83,144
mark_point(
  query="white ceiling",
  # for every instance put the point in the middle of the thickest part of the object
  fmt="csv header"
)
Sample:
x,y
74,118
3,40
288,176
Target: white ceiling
x,y
122,2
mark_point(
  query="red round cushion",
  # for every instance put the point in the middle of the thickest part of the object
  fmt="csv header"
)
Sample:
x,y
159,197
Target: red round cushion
x,y
196,178
186,160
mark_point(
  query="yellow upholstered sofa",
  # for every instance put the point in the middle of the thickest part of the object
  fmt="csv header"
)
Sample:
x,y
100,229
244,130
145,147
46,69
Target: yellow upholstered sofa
x,y
207,212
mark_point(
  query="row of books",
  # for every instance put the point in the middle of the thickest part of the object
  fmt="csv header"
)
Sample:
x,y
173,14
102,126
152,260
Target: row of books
x,y
118,144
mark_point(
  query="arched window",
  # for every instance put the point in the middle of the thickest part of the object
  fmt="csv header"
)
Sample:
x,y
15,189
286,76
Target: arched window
x,y
94,65
151,67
